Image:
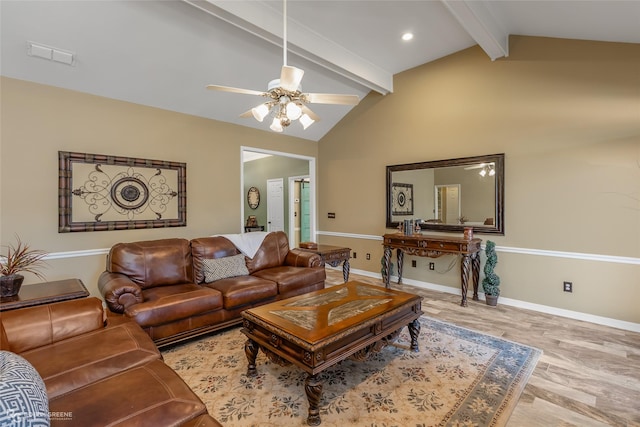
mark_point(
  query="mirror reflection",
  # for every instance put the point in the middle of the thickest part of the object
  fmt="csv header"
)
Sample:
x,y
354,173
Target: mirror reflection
x,y
448,195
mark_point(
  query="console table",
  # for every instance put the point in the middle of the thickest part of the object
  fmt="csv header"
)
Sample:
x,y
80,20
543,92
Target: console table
x,y
433,247
45,293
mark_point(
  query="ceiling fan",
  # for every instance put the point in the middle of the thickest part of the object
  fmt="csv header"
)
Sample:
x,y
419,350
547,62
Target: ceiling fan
x,y
486,168
286,102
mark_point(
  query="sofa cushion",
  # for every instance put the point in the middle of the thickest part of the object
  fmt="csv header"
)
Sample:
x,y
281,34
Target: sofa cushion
x,y
238,291
75,362
148,395
24,400
221,268
289,278
272,252
165,304
208,248
49,323
152,263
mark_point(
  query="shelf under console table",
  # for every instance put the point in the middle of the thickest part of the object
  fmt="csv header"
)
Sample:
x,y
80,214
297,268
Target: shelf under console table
x,y
424,245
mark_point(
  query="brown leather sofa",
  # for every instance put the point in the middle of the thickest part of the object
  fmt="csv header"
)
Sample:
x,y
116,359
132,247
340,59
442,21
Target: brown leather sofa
x,y
160,284
99,372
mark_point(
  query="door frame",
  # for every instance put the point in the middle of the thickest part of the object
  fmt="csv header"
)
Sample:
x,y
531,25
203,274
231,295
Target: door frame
x,y
312,186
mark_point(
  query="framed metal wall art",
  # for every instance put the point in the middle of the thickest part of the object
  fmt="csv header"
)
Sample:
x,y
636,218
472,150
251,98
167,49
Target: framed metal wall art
x,y
402,199
99,192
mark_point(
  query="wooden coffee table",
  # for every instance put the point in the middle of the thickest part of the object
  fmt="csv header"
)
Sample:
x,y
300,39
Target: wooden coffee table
x,y
315,331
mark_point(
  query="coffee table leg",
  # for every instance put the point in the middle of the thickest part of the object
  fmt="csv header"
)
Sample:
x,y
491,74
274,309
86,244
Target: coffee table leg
x,y
251,351
414,331
313,388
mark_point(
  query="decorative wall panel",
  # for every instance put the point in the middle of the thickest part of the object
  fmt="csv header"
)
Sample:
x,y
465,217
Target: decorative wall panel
x,y
98,192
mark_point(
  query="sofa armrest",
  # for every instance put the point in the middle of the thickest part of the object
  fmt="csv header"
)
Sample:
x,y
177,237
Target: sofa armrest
x,y
32,327
298,258
119,291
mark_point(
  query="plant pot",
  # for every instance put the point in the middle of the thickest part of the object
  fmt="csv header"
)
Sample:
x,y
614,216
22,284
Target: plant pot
x,y
491,300
10,285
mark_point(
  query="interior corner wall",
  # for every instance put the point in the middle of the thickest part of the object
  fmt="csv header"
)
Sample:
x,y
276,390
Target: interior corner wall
x,y
39,120
566,113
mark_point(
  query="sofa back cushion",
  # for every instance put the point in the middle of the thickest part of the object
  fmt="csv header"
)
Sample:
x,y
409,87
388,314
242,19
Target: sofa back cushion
x,y
153,263
209,248
272,252
33,327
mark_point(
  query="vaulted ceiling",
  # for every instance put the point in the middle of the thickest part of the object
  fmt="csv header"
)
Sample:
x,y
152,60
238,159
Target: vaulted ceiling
x,y
164,53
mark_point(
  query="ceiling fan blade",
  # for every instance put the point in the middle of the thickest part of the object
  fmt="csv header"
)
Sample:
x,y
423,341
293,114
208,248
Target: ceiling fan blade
x,y
290,78
328,98
306,110
247,114
235,90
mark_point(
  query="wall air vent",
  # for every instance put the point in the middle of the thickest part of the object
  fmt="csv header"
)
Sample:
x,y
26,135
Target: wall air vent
x,y
51,53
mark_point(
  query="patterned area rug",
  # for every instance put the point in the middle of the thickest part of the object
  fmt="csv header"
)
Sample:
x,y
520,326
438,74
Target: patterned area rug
x,y
459,378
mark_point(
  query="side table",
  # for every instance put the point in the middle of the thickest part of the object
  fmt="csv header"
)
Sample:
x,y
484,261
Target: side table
x,y
334,255
45,293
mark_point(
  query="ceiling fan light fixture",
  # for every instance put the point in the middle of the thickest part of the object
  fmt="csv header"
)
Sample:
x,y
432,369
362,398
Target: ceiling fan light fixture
x,y
260,112
306,121
276,126
293,111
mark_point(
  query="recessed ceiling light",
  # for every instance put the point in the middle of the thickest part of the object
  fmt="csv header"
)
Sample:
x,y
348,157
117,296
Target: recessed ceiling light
x,y
407,36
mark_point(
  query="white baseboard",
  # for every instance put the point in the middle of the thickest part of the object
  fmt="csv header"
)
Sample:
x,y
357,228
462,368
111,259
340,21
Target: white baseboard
x,y
606,321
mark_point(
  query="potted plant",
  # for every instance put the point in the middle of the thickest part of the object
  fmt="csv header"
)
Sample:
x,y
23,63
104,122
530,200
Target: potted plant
x,y
491,281
19,258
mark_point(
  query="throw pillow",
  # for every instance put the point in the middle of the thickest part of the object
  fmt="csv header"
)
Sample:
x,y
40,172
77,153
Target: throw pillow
x,y
221,268
23,395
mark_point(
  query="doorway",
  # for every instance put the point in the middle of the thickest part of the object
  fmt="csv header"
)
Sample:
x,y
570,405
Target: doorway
x,y
271,165
447,203
300,212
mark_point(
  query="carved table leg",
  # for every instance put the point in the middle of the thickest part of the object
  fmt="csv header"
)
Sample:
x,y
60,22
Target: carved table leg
x,y
251,351
313,388
345,270
414,331
464,270
475,271
400,263
385,267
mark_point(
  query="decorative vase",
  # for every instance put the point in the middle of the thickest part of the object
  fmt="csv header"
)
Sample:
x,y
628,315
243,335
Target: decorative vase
x,y
10,285
468,233
491,300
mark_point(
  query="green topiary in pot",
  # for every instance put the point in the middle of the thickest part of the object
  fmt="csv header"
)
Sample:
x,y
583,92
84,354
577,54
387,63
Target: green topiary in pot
x,y
491,281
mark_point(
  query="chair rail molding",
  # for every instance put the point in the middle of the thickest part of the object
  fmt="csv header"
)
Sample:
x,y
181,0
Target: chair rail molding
x,y
509,249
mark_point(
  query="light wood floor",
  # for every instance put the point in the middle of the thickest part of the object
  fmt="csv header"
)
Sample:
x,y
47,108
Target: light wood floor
x,y
589,375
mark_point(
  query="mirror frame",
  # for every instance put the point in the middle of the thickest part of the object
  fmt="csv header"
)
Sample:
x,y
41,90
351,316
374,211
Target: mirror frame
x,y
497,159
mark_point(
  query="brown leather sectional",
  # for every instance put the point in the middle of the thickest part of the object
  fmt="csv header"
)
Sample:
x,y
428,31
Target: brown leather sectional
x,y
160,284
99,372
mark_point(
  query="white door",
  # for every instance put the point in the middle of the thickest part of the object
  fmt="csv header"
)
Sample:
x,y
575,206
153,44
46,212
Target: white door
x,y
453,204
275,205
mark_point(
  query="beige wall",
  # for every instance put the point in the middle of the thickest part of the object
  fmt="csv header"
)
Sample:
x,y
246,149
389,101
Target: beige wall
x,y
565,113
567,116
39,120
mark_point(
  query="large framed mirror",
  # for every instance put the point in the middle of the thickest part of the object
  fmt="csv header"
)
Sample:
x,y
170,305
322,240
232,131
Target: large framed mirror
x,y
448,195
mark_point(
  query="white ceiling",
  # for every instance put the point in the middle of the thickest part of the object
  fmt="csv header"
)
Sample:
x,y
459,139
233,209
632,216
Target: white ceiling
x,y
164,53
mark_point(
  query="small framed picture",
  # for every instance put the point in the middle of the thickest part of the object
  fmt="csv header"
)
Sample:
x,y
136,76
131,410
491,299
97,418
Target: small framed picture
x,y
401,199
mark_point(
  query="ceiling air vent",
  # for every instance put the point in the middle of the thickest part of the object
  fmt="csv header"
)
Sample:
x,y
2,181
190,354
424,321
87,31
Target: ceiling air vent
x,y
51,53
